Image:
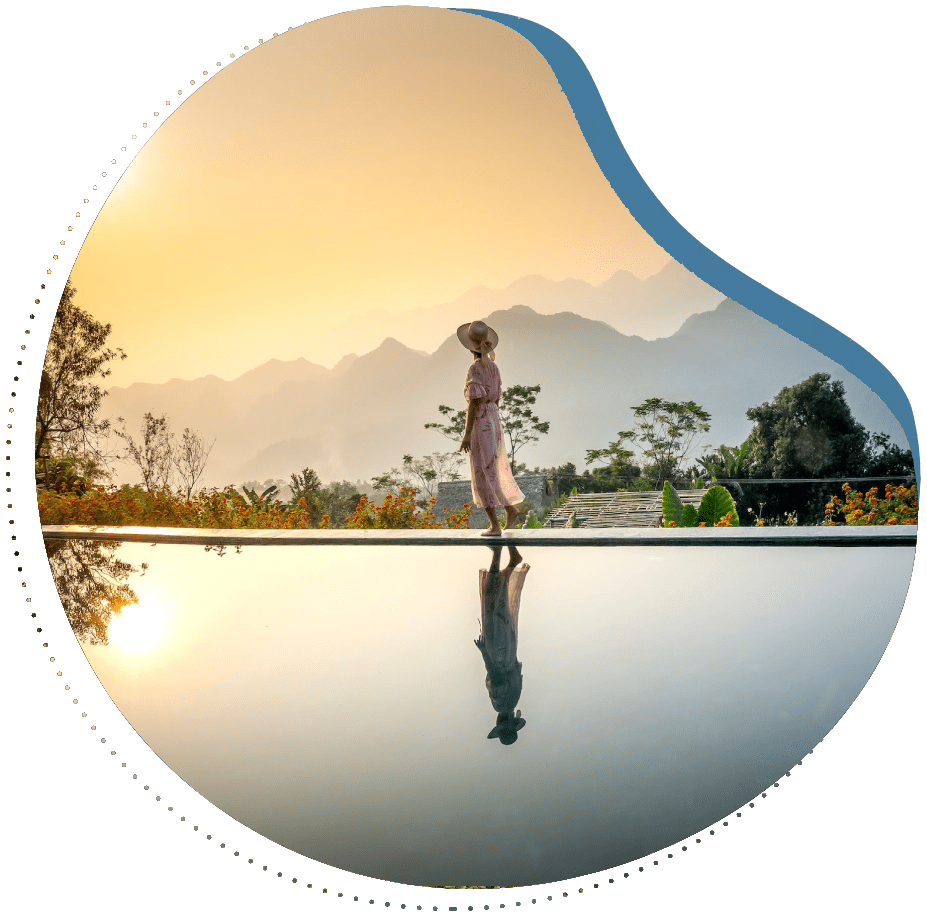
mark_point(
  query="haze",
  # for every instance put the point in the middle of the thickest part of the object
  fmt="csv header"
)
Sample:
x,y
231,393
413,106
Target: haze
x,y
385,159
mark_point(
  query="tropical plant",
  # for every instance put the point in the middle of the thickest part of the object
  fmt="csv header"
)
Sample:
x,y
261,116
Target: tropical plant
x,y
725,462
716,509
717,504
263,501
672,505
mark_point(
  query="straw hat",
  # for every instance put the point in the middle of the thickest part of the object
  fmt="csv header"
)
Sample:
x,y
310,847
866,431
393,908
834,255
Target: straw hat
x,y
478,337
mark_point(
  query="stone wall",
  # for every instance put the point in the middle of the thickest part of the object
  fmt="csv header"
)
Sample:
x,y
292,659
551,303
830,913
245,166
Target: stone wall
x,y
539,491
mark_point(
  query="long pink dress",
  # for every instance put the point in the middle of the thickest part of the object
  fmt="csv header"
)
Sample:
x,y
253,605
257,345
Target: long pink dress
x,y
500,600
490,473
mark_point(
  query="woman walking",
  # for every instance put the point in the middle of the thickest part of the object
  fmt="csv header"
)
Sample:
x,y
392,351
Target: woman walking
x,y
490,474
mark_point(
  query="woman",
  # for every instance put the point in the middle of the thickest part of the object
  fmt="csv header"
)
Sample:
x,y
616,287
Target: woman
x,y
500,600
490,474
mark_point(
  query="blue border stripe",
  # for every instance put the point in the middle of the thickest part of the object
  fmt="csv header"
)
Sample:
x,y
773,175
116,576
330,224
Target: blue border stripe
x,y
616,165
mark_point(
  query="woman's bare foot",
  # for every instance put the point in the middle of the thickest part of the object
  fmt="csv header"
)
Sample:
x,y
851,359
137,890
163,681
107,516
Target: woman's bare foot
x,y
514,556
491,532
511,515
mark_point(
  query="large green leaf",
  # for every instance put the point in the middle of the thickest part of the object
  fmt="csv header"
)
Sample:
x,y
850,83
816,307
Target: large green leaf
x,y
672,505
716,504
689,516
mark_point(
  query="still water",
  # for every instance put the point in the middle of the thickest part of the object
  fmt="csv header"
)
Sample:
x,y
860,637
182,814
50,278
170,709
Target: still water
x,y
441,716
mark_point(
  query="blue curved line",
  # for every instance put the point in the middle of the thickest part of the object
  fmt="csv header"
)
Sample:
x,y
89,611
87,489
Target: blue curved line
x,y
617,167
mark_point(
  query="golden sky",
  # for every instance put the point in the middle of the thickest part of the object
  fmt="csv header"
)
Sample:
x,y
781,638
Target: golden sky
x,y
388,159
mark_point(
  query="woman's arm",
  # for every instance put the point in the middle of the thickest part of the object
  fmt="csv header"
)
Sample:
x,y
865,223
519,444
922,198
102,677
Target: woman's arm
x,y
468,430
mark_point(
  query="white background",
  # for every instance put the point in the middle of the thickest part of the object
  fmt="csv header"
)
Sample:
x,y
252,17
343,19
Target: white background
x,y
786,140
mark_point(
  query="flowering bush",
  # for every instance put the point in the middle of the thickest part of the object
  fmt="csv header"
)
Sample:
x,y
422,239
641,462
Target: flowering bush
x,y
227,509
897,507
400,511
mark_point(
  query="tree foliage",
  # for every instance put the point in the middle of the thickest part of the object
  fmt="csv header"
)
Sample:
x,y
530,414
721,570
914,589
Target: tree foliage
x,y
76,361
807,430
455,422
189,458
666,432
422,475
90,580
619,471
520,424
152,454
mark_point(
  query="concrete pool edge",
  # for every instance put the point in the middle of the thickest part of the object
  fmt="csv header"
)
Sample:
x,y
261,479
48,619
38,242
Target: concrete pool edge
x,y
791,536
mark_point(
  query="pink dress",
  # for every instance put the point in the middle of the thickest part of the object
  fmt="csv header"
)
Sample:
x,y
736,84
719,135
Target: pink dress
x,y
490,473
500,600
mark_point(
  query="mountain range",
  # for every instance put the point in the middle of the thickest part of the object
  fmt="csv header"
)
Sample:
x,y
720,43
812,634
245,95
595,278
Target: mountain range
x,y
650,308
359,418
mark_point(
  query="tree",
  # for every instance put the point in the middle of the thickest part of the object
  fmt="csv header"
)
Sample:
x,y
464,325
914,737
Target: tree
x,y
69,390
423,475
619,470
90,579
339,500
519,423
890,459
189,459
307,486
453,428
666,432
152,456
808,431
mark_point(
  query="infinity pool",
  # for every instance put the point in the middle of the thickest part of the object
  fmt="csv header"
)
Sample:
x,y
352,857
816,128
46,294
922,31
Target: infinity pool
x,y
339,699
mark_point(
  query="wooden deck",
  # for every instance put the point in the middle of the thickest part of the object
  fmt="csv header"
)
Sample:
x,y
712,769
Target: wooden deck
x,y
642,509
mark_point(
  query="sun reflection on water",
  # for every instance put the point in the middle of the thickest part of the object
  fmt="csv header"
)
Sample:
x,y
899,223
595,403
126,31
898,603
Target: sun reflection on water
x,y
138,627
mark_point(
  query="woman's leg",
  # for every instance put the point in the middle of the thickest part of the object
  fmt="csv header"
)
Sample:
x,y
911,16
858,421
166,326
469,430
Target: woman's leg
x,y
511,515
493,522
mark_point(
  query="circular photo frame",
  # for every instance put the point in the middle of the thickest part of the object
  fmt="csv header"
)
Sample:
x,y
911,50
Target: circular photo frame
x,y
144,784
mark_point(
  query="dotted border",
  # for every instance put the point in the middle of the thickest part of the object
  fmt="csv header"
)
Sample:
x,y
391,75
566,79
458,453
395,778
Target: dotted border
x,y
679,847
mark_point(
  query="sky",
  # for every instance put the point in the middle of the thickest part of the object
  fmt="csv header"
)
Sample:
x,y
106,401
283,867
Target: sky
x,y
383,159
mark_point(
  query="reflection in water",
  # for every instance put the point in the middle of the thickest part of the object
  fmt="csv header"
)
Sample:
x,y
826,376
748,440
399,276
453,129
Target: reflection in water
x,y
90,579
700,705
500,598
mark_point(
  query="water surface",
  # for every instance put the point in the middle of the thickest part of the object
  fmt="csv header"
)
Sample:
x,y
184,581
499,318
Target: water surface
x,y
333,698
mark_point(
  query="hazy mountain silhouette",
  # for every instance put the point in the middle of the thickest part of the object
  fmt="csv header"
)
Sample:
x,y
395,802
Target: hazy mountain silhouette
x,y
650,308
360,418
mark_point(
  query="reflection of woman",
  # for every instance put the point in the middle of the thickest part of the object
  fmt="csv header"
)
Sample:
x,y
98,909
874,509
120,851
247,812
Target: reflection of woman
x,y
500,597
491,476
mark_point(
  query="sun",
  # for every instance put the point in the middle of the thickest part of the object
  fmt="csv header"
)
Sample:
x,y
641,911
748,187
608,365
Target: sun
x,y
139,626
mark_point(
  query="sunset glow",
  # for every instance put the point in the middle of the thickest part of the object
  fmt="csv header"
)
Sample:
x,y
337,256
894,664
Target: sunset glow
x,y
138,627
